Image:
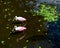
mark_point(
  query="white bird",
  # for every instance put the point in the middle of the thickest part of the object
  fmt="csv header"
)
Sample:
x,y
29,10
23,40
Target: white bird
x,y
19,18
19,28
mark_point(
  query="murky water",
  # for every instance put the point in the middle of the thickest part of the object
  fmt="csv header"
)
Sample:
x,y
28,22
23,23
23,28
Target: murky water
x,y
34,24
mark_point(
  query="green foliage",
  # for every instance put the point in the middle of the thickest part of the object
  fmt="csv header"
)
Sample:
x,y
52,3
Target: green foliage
x,y
48,12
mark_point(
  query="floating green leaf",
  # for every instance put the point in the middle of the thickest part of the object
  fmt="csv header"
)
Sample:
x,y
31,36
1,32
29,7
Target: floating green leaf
x,y
48,12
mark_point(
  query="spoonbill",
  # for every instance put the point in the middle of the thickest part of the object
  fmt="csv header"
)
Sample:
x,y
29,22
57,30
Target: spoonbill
x,y
19,18
18,29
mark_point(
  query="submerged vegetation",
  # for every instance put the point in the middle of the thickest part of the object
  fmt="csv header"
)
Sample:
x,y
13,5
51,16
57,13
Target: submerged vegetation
x,y
47,11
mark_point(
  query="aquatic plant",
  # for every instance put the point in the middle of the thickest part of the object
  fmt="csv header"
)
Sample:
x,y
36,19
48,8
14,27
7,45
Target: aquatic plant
x,y
48,12
27,40
3,42
38,30
25,47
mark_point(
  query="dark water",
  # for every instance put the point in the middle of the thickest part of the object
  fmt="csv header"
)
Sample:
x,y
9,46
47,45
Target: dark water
x,y
16,8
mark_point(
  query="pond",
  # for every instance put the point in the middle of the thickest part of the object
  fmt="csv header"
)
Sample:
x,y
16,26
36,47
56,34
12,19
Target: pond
x,y
35,33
